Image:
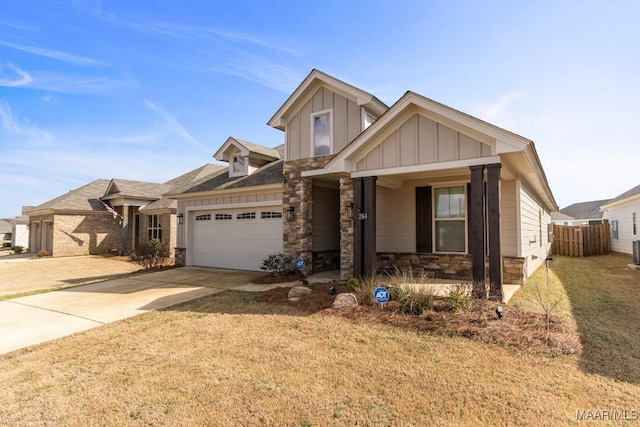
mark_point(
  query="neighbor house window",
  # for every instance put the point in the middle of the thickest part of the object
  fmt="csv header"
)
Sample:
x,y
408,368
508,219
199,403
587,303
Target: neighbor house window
x,y
154,229
450,223
321,133
239,164
633,223
614,229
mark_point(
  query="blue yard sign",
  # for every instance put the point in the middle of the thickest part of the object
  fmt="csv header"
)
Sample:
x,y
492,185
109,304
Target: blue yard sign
x,y
381,295
299,263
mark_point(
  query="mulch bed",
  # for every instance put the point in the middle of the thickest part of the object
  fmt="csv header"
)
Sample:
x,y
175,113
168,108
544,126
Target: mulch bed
x,y
519,328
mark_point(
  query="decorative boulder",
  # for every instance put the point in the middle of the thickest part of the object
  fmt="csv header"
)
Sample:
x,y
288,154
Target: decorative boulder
x,y
298,292
345,300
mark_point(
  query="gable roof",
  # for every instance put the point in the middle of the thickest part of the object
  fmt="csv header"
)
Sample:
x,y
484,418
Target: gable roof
x,y
84,198
246,149
194,175
271,173
559,216
632,193
311,83
513,147
585,210
134,189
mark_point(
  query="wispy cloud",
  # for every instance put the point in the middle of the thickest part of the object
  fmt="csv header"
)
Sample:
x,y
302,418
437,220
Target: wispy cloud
x,y
19,77
498,108
254,57
15,131
54,54
175,126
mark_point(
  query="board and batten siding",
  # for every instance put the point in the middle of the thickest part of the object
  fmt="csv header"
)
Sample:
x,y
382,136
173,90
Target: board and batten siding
x,y
325,219
213,201
623,213
346,120
396,219
533,229
420,140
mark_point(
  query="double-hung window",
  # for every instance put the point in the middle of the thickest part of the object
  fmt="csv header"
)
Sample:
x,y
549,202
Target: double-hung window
x,y
154,228
450,219
321,133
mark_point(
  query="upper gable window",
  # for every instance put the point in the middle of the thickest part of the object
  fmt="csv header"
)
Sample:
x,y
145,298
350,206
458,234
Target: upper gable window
x,y
367,119
321,133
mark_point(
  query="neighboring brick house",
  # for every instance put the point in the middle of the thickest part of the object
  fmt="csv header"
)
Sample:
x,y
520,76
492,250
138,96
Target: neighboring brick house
x,y
366,187
78,222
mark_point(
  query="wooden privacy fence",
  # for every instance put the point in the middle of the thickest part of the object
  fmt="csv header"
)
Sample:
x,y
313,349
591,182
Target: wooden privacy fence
x,y
582,240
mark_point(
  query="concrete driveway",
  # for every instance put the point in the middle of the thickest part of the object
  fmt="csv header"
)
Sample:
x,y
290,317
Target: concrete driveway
x,y
38,318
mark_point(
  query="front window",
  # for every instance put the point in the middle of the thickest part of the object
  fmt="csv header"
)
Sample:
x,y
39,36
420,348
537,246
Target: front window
x,y
322,134
154,229
450,219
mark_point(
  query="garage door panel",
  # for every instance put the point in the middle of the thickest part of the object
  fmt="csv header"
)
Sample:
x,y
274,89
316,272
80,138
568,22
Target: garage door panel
x,y
237,243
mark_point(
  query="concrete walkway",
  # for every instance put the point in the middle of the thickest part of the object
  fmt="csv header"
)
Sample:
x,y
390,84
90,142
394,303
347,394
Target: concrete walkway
x,y
39,318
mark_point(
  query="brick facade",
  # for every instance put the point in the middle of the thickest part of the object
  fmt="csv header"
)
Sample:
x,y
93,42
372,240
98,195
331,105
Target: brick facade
x,y
168,223
90,234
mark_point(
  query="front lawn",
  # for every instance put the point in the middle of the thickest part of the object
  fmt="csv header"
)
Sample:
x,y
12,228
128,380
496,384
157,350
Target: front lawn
x,y
242,359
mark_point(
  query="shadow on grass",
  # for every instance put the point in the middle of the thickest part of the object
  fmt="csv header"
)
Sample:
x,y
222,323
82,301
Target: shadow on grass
x,y
605,304
272,302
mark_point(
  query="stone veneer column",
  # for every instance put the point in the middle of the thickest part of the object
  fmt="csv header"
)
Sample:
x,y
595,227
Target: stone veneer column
x,y
297,193
346,228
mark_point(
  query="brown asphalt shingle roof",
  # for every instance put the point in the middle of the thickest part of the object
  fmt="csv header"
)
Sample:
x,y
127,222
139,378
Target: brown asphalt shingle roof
x,y
84,198
585,210
634,191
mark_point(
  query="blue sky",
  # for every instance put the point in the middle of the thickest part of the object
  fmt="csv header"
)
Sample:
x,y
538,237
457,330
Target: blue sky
x,y
148,90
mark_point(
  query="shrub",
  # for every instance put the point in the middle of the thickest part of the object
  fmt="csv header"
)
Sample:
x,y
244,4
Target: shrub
x,y
42,253
363,289
279,263
18,249
460,297
353,284
413,290
151,255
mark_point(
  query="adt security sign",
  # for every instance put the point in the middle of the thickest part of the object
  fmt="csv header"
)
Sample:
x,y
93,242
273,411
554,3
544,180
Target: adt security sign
x,y
381,295
299,263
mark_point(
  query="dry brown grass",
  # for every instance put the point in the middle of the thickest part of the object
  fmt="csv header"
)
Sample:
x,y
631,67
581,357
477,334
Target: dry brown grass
x,y
241,359
46,274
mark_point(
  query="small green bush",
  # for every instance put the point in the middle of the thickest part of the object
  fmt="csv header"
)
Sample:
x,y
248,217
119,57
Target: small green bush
x,y
364,290
460,297
279,263
353,284
18,249
151,255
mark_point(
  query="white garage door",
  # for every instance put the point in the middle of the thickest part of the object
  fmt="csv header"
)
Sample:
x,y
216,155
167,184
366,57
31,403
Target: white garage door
x,y
236,239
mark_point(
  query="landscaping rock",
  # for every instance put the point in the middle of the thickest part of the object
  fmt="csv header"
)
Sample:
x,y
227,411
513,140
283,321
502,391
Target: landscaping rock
x,y
298,292
345,300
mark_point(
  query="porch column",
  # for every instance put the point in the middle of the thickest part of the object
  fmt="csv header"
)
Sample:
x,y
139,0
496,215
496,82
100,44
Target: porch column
x,y
476,223
493,219
370,253
364,232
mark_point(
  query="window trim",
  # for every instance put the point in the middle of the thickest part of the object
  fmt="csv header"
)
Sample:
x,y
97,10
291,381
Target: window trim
x,y
154,227
313,141
435,219
364,114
